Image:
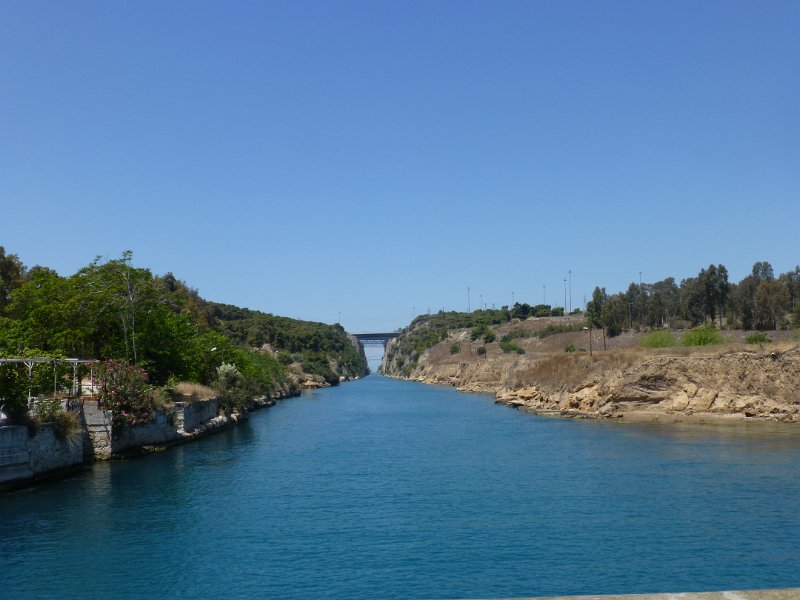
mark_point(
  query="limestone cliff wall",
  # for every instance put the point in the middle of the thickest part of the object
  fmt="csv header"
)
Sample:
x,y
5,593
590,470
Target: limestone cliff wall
x,y
732,382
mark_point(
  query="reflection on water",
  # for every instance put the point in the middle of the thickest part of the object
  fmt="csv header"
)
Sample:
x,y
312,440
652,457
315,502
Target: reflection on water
x,y
390,489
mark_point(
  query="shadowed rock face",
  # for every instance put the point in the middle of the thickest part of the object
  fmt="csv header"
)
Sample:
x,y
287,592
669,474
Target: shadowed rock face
x,y
785,594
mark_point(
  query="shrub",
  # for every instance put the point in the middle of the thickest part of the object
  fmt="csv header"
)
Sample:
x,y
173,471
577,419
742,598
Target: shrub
x,y
481,350
569,348
657,339
455,348
758,338
66,424
507,347
553,329
489,336
231,388
124,390
49,411
702,336
513,335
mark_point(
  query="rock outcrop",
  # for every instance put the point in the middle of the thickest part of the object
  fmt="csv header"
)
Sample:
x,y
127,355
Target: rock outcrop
x,y
732,382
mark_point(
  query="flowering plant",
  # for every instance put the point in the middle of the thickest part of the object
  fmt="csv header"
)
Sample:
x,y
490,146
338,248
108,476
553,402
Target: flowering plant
x,y
124,390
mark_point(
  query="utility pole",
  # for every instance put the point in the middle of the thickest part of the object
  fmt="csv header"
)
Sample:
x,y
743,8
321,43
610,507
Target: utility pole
x,y
512,300
544,294
480,306
570,291
565,295
468,310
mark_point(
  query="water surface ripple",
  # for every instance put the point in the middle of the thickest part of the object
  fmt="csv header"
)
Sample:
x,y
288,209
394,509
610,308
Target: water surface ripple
x,y
390,489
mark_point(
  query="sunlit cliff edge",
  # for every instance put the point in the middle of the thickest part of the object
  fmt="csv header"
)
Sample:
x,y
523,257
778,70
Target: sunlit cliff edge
x,y
731,381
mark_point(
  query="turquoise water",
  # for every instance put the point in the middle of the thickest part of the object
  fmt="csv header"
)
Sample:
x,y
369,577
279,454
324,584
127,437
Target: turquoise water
x,y
390,489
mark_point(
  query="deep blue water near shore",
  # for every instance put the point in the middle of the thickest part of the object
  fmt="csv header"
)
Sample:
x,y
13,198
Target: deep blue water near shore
x,y
390,489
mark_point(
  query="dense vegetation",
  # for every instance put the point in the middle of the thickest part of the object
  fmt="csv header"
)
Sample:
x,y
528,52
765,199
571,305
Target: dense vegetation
x,y
113,310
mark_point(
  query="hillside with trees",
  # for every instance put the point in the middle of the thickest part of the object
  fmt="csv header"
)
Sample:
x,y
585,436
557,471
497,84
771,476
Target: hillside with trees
x,y
760,301
707,350
113,310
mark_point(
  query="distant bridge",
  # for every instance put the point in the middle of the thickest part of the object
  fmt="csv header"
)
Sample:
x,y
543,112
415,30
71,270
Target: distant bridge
x,y
375,338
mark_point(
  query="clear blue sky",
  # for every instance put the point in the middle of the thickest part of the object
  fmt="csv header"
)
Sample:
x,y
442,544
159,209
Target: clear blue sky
x,y
371,158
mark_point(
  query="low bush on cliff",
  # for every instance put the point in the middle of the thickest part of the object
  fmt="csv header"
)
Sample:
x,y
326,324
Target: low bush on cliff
x,y
509,347
702,336
514,334
554,329
758,338
657,339
233,389
65,423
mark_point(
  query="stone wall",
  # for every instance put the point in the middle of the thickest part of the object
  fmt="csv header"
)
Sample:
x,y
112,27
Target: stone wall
x,y
14,458
190,416
49,453
160,431
24,458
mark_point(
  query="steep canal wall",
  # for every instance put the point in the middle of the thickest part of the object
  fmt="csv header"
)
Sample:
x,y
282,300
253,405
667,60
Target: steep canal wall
x,y
25,458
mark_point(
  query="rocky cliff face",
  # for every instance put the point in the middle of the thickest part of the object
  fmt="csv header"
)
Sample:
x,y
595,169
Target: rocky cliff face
x,y
730,382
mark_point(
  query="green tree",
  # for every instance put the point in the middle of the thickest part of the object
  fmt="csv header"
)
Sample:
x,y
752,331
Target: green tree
x,y
116,289
770,304
714,282
692,300
791,281
663,302
11,276
615,314
594,308
743,301
41,308
763,271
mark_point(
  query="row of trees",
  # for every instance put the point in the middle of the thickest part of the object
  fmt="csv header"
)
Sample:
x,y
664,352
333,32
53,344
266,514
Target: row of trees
x,y
759,301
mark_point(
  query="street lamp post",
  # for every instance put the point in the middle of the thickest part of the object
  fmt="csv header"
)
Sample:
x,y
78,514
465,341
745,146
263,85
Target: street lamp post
x,y
589,329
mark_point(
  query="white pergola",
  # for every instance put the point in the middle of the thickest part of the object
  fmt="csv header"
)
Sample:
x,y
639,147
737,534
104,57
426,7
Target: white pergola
x,y
31,362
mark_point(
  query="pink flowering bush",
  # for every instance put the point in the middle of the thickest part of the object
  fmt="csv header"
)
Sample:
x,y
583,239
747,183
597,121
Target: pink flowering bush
x,y
124,390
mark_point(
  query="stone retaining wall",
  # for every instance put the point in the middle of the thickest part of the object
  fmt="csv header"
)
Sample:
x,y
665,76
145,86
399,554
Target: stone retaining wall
x,y
190,416
160,431
25,458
